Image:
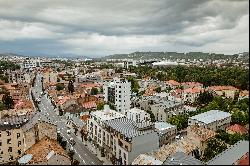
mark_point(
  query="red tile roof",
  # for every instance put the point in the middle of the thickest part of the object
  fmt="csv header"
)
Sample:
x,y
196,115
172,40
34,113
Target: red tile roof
x,y
220,88
244,160
172,82
193,90
244,93
90,104
237,129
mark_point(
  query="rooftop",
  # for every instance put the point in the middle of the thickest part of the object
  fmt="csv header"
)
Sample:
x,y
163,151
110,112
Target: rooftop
x,y
180,158
220,88
201,133
231,155
136,110
237,128
144,159
128,127
211,116
42,150
107,114
163,126
172,82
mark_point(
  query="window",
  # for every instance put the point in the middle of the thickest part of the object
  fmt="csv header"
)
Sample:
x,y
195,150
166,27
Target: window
x,y
0,143
0,133
10,149
8,133
18,135
19,143
19,152
11,158
124,155
8,141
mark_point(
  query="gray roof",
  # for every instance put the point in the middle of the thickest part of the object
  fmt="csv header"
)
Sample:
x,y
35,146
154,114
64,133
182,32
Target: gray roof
x,y
34,120
211,116
78,122
180,158
127,127
15,121
231,155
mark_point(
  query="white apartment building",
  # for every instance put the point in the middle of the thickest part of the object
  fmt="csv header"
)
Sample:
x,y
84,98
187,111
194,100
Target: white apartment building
x,y
50,77
94,77
213,120
29,63
18,77
166,131
137,115
120,139
118,92
128,63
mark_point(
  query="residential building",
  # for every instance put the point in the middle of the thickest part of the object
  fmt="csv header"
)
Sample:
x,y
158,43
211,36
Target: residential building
x,y
18,76
236,128
233,155
180,158
189,95
166,132
118,92
137,115
225,91
47,152
144,159
187,85
166,109
172,84
121,139
243,94
213,119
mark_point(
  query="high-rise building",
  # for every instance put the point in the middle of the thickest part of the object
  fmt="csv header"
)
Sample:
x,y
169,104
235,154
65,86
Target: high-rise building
x,y
118,92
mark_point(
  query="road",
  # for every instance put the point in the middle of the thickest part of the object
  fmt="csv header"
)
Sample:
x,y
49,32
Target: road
x,y
47,109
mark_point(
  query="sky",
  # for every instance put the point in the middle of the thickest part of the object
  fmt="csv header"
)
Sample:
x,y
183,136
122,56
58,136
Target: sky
x,y
98,28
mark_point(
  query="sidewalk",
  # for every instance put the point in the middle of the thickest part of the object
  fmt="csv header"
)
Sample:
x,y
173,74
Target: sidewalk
x,y
95,151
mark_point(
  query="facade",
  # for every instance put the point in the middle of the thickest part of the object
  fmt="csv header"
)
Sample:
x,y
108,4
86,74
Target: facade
x,y
18,77
213,119
118,92
50,77
138,115
166,109
121,139
21,132
166,132
189,95
89,78
225,91
232,155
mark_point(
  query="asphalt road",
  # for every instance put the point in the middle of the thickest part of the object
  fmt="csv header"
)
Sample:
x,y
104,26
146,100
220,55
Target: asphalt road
x,y
82,154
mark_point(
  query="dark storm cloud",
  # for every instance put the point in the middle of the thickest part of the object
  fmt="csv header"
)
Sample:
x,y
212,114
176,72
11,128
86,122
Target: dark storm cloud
x,y
109,26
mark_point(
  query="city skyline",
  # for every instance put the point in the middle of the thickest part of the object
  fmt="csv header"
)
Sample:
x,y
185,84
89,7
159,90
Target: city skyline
x,y
94,28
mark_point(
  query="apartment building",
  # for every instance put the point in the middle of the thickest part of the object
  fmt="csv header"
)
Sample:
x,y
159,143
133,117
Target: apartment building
x,y
121,139
118,92
94,77
138,115
213,120
19,133
166,109
166,132
190,95
18,76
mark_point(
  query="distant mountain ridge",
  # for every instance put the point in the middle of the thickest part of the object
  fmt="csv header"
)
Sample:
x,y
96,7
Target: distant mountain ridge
x,y
176,55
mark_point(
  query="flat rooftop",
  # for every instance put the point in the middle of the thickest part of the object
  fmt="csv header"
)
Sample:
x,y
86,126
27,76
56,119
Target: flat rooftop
x,y
163,126
211,116
105,115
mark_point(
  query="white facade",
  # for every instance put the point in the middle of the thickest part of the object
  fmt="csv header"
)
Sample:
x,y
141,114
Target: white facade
x,y
121,140
118,92
137,115
213,120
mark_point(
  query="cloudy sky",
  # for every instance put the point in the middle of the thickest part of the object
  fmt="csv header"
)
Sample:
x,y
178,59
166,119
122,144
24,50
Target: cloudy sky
x,y
98,28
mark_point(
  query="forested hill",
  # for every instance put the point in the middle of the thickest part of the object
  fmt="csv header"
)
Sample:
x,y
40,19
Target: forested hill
x,y
176,55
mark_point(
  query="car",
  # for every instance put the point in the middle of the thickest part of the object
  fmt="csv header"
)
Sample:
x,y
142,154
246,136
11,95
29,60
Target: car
x,y
68,131
72,141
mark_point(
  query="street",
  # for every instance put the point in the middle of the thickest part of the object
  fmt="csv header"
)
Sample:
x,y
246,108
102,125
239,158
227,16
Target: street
x,y
82,154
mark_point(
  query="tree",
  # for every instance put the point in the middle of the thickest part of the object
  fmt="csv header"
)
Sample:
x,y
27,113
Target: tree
x,y
75,162
158,89
213,148
204,98
59,87
180,121
134,84
71,86
100,106
8,101
152,116
94,91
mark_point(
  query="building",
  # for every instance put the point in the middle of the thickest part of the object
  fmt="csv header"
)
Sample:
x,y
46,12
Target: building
x,y
236,128
47,152
187,85
18,77
118,92
89,78
180,158
233,155
128,63
144,159
166,109
225,91
243,95
213,119
138,115
120,139
189,95
166,132
172,84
